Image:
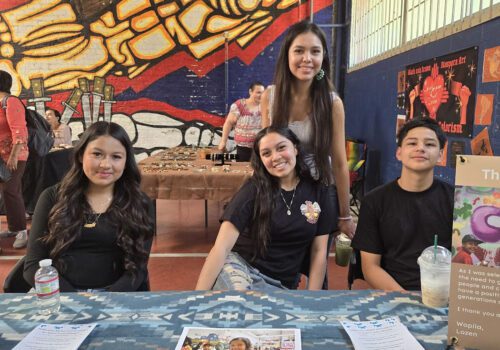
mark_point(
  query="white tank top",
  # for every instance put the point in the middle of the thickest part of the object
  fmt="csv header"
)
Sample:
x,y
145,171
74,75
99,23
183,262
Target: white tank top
x,y
303,130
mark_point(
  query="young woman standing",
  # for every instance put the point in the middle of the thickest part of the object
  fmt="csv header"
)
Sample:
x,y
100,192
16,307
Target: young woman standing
x,y
303,99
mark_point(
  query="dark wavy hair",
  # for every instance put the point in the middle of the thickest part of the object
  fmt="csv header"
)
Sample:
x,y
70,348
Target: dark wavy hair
x,y
248,343
254,84
57,114
319,93
268,187
128,209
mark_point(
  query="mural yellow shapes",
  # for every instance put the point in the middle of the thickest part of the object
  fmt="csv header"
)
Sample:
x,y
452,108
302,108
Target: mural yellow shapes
x,y
55,39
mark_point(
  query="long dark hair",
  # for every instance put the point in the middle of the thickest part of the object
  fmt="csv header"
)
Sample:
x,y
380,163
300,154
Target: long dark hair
x,y
57,114
128,209
268,187
319,93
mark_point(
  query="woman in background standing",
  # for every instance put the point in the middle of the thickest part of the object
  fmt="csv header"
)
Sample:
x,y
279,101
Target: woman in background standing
x,y
244,116
14,152
61,131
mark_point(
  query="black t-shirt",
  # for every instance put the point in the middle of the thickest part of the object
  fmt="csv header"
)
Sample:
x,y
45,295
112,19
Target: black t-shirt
x,y
291,235
93,260
399,225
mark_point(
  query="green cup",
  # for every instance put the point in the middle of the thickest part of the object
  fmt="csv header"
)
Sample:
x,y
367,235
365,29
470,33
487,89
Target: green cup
x,y
343,249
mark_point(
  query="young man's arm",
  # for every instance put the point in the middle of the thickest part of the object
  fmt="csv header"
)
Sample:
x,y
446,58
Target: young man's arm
x,y
375,275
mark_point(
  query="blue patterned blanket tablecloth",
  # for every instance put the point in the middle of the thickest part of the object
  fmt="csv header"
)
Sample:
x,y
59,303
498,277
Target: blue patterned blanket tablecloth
x,y
154,320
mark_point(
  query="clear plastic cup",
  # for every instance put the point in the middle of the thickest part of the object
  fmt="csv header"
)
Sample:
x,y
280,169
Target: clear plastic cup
x,y
343,249
435,276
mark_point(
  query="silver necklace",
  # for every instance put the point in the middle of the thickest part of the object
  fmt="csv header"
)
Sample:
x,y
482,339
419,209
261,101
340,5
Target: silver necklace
x,y
288,207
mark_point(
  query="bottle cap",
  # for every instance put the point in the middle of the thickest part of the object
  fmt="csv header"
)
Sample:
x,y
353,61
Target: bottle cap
x,y
45,262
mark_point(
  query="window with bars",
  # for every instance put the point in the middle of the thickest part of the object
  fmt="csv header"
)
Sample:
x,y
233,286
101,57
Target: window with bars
x,y
384,28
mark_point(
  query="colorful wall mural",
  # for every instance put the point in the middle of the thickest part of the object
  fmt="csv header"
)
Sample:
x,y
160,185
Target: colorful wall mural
x,y
165,70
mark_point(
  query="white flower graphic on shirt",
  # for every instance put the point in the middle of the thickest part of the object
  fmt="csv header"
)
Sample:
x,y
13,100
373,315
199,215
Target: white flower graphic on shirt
x,y
310,211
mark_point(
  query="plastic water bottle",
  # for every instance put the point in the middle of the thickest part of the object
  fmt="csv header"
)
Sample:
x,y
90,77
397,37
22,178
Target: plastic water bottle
x,y
47,287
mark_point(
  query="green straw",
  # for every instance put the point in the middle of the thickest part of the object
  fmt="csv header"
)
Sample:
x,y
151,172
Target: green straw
x,y
435,247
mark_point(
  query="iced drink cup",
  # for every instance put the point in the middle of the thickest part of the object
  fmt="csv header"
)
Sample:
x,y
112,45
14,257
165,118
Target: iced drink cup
x,y
435,276
343,249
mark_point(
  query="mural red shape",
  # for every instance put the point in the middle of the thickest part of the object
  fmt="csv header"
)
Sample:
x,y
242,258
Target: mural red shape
x,y
433,92
7,5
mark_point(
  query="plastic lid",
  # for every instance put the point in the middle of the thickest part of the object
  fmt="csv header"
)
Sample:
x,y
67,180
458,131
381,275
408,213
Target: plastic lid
x,y
343,237
443,256
45,262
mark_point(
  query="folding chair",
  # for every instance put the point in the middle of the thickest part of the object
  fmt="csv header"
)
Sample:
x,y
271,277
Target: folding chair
x,y
356,158
355,271
15,282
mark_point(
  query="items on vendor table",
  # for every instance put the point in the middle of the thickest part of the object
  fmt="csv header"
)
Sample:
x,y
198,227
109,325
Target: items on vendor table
x,y
220,158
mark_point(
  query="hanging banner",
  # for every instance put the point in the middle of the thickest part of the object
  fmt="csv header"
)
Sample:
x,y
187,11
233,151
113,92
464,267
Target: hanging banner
x,y
444,88
474,310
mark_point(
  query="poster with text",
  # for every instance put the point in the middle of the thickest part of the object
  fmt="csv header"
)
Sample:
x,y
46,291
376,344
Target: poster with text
x,y
474,310
444,88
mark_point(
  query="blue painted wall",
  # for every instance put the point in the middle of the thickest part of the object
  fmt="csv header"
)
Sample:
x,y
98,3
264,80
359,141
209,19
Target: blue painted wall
x,y
371,108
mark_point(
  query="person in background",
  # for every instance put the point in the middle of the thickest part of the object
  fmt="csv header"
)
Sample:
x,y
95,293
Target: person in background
x,y
61,131
304,99
277,216
244,116
14,152
96,225
240,343
398,220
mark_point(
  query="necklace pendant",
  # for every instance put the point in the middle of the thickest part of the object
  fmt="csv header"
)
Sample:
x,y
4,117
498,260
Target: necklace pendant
x,y
289,212
92,224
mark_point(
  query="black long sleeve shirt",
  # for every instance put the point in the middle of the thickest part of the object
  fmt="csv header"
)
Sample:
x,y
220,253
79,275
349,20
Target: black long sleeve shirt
x,y
92,261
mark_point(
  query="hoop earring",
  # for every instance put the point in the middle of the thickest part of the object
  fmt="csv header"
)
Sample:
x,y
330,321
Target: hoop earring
x,y
320,75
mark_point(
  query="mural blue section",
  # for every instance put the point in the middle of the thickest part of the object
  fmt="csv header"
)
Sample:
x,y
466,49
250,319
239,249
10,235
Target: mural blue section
x,y
371,105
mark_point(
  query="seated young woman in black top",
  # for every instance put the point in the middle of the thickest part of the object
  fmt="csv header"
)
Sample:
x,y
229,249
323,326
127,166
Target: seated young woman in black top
x,y
96,225
271,222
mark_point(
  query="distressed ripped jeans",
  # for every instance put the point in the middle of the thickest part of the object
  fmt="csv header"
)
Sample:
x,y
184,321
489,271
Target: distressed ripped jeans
x,y
237,274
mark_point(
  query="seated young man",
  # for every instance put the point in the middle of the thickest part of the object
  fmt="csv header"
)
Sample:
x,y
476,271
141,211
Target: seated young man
x,y
398,220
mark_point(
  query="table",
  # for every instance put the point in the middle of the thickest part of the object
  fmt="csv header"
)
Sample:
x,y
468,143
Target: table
x,y
155,320
180,174
191,178
43,172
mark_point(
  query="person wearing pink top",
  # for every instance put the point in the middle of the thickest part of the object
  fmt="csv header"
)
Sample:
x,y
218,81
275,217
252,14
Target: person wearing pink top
x,y
14,152
244,116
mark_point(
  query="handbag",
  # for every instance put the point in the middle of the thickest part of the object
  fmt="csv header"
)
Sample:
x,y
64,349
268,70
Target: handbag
x,y
5,173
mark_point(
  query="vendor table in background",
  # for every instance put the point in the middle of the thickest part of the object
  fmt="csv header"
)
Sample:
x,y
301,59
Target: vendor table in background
x,y
164,178
155,320
180,174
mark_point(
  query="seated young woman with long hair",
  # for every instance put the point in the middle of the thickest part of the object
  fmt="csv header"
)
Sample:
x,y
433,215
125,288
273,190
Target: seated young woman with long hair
x,y
96,225
273,220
